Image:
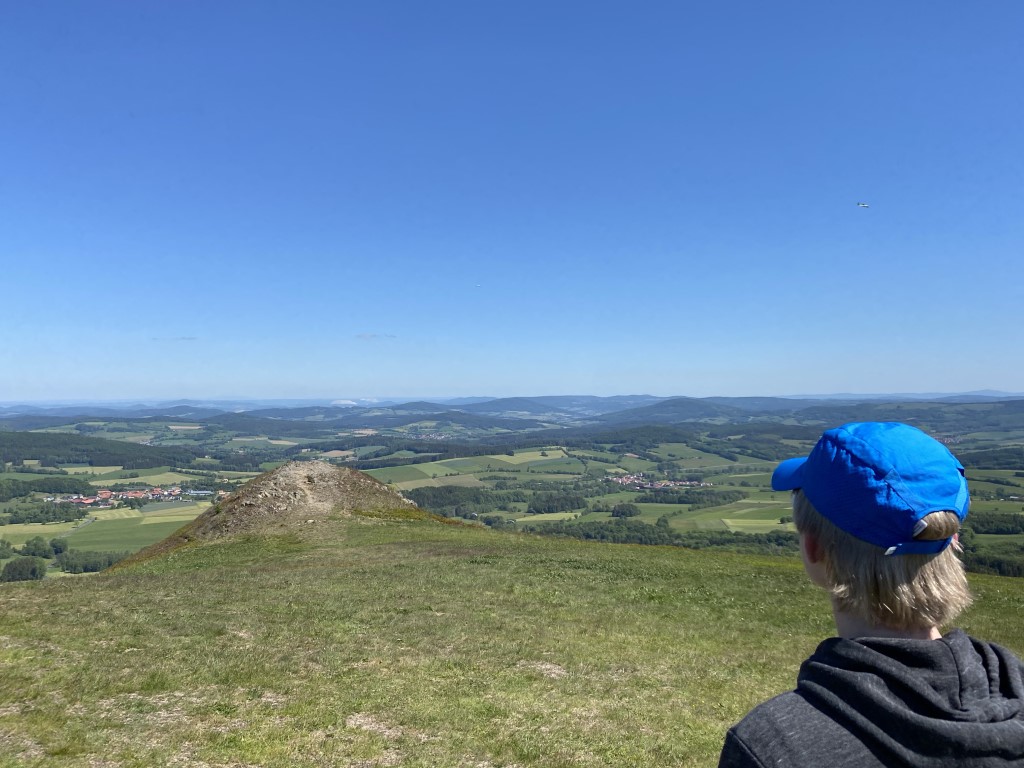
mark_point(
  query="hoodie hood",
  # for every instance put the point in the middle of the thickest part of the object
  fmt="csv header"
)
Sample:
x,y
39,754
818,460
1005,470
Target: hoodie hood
x,y
935,699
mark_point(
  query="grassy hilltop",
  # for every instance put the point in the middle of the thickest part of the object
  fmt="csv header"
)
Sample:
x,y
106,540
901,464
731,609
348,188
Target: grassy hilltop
x,y
357,632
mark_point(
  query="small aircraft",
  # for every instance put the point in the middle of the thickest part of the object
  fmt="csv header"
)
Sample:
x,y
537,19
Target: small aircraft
x,y
863,205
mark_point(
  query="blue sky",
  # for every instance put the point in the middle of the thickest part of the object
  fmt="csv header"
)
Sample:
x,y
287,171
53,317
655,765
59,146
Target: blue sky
x,y
340,199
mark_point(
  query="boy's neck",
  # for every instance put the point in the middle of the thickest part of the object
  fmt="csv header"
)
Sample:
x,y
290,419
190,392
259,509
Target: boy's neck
x,y
850,627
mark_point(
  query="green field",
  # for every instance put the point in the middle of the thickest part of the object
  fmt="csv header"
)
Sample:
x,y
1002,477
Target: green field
x,y
19,533
400,474
126,535
113,530
1014,539
236,475
550,516
524,457
87,470
376,643
21,476
159,476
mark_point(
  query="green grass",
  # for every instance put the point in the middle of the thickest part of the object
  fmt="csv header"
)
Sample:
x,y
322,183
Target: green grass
x,y
22,476
156,477
132,533
694,459
125,535
467,465
414,643
399,474
88,470
19,533
549,516
522,457
632,464
231,475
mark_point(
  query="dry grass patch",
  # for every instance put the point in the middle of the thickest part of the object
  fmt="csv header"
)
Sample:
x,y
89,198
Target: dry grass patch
x,y
546,668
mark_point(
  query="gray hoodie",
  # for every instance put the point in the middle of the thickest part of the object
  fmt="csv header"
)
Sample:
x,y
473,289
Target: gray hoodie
x,y
869,702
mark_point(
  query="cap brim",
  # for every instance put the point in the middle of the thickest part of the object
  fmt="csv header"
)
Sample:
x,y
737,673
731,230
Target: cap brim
x,y
789,475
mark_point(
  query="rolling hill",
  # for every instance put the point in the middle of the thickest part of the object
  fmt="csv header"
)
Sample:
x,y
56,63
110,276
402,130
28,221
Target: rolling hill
x,y
378,635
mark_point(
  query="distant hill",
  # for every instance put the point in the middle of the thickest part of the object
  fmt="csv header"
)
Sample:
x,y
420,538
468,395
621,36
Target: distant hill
x,y
308,412
422,406
675,411
946,417
768,404
588,405
484,420
61,448
507,405
79,412
975,396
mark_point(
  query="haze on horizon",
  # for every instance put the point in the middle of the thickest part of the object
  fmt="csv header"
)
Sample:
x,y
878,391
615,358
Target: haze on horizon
x,y
337,200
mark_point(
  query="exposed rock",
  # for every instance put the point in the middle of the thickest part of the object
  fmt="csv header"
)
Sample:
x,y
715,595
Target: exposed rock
x,y
294,494
290,497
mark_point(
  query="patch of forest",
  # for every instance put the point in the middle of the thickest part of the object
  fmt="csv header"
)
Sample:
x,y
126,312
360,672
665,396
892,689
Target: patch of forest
x,y
52,449
629,531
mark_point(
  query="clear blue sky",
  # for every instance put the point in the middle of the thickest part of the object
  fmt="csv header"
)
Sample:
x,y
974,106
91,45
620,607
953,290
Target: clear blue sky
x,y
355,199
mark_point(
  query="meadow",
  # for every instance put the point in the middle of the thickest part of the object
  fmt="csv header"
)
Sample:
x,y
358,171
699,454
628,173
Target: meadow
x,y
129,530
110,530
380,642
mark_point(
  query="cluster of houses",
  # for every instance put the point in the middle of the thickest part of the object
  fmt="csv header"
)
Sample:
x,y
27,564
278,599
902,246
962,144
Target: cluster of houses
x,y
105,498
637,480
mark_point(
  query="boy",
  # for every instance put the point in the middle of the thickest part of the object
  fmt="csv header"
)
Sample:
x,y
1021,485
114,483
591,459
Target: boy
x,y
878,507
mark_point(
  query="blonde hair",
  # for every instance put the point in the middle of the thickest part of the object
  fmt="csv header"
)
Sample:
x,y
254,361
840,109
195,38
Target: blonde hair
x,y
896,591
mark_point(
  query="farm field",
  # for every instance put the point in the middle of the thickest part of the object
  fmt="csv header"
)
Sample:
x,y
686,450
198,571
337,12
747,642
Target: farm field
x,y
1014,539
21,476
257,440
111,530
158,476
760,512
19,533
131,532
75,469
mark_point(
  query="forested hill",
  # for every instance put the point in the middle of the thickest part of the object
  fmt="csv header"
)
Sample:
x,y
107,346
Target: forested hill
x,y
753,426
932,416
52,449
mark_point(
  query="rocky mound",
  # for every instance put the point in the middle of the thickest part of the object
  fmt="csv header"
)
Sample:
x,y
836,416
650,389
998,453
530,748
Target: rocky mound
x,y
293,495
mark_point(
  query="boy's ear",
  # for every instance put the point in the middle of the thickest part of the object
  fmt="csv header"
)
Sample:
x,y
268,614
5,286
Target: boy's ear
x,y
811,548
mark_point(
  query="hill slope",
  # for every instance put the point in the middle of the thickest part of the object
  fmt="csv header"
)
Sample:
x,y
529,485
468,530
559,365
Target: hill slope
x,y
370,639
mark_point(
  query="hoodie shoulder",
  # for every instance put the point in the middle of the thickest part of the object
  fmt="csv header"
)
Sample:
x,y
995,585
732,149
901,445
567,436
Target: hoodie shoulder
x,y
952,701
788,731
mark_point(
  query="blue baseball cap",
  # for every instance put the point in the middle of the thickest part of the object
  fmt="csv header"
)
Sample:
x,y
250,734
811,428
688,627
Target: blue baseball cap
x,y
877,481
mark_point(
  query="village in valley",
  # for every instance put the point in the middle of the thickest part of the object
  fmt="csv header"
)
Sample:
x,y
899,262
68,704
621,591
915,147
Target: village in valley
x,y
108,499
638,480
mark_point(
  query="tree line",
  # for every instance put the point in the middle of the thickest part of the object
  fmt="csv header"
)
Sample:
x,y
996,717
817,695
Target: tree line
x,y
52,449
697,499
36,553
62,512
631,531
11,488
